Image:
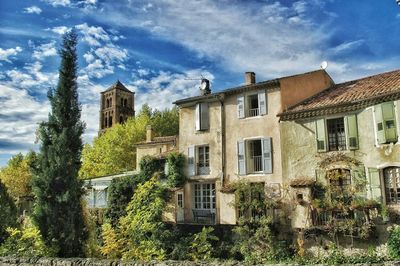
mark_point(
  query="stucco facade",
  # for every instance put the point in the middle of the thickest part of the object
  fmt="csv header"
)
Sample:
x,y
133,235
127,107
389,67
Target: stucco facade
x,y
242,137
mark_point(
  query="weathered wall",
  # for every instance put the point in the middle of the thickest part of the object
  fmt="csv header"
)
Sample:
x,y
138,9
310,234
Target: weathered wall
x,y
296,88
152,150
188,136
300,156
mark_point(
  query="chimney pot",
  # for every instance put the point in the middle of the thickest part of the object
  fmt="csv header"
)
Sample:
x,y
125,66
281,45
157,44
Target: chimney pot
x,y
149,134
250,78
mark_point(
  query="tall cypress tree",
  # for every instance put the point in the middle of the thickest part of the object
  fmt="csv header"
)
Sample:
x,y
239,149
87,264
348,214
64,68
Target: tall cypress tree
x,y
58,210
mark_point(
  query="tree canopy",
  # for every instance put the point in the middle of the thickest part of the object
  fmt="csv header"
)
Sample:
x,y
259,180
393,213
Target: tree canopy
x,y
58,209
114,152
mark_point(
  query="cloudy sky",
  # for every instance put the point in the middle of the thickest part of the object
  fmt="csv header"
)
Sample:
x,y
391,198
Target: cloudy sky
x,y
160,48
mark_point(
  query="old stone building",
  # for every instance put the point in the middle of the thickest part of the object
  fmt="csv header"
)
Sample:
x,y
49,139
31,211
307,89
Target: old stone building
x,y
117,104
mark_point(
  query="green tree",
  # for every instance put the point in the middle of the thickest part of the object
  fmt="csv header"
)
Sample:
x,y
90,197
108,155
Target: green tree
x,y
165,122
120,193
145,233
58,209
17,175
8,212
113,152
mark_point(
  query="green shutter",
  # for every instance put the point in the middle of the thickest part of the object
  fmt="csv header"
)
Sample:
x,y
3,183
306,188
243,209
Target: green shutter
x,y
380,132
375,184
320,135
359,181
351,132
389,121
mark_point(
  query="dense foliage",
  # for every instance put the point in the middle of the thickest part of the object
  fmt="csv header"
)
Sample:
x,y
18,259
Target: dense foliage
x,y
114,152
120,193
394,242
17,175
148,166
8,212
25,242
58,210
176,169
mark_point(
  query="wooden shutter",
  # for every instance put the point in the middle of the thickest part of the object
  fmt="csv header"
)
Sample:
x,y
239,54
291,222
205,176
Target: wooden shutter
x,y
375,184
267,155
241,153
320,135
359,180
389,121
262,102
197,114
240,106
191,161
204,120
380,131
351,132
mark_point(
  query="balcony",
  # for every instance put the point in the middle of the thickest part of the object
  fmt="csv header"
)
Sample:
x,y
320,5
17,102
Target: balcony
x,y
203,169
255,164
253,112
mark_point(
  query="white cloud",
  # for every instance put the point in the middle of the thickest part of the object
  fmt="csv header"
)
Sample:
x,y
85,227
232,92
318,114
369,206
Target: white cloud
x,y
59,30
33,10
347,46
45,50
21,113
57,3
98,69
164,88
93,35
110,54
6,53
271,39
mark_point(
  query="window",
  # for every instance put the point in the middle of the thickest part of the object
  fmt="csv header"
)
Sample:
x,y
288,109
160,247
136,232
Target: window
x,y
340,184
202,119
180,199
337,134
125,102
385,120
254,156
392,184
252,105
199,160
204,196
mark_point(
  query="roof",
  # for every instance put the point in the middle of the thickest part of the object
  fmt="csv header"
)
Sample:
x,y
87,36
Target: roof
x,y
348,96
158,140
117,85
268,83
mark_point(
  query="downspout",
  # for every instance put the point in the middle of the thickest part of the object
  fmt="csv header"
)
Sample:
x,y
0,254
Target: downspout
x,y
221,98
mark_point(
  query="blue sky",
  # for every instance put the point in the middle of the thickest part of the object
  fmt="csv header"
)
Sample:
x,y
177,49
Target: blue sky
x,y
159,48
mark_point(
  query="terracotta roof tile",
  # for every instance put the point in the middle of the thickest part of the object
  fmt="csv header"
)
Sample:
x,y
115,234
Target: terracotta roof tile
x,y
158,140
351,95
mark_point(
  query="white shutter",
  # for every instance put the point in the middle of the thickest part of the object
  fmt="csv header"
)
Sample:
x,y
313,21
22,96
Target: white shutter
x,y
240,106
204,121
320,135
375,184
191,161
241,154
197,118
267,155
262,102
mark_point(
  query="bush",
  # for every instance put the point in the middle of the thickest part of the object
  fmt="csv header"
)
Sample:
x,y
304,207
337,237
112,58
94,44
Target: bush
x,y
112,245
176,163
394,242
25,242
201,247
120,193
148,167
8,212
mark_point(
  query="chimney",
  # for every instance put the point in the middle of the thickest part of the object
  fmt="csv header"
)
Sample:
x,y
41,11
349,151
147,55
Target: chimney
x,y
149,134
250,78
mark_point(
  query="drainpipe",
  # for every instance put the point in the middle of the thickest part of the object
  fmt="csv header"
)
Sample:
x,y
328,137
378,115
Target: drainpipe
x,y
221,98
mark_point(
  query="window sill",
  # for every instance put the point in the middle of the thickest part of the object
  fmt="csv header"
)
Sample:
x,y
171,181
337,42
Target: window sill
x,y
252,117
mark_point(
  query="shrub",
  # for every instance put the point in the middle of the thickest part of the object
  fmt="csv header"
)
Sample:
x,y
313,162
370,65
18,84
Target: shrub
x,y
394,242
148,167
120,193
25,242
201,247
112,245
176,163
8,212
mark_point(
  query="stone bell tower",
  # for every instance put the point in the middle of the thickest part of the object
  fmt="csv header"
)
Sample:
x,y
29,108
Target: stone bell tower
x,y
117,103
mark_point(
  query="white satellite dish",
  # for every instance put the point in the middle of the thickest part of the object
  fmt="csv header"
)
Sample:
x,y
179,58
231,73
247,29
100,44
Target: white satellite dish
x,y
324,64
203,85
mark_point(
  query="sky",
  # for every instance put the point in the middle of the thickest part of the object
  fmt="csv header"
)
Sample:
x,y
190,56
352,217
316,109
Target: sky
x,y
160,49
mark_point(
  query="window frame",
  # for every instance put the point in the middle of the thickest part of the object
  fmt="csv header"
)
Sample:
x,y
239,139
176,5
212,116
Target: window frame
x,y
243,104
204,195
395,185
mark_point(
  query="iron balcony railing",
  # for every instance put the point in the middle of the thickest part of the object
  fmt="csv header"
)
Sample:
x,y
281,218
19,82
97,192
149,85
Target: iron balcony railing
x,y
254,112
255,164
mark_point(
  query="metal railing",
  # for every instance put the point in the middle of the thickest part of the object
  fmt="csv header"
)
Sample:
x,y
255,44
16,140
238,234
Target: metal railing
x,y
202,169
255,164
254,112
